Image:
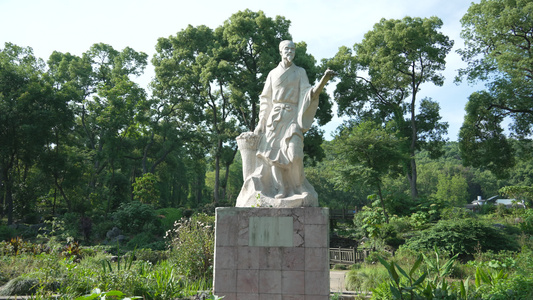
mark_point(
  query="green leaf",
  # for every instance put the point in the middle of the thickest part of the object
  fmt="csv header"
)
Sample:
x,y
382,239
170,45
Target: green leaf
x,y
421,279
403,272
395,292
390,267
446,269
114,293
416,265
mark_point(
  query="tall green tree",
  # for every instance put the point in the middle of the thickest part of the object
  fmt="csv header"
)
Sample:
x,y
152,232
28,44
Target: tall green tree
x,y
193,71
498,38
110,111
30,110
382,79
252,38
367,152
452,189
212,79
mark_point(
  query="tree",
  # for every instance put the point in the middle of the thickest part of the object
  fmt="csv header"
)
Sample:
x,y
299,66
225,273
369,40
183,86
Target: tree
x,y
31,108
518,192
382,80
366,152
452,189
498,38
210,80
253,39
481,138
193,71
110,113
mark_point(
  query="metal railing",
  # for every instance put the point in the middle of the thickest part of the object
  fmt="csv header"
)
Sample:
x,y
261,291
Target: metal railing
x,y
347,255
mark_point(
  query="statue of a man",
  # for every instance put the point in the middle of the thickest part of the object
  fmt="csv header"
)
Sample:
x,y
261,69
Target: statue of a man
x,y
288,105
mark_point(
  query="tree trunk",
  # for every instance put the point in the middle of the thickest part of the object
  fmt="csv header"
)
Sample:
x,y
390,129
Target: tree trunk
x,y
9,200
62,192
8,190
226,176
2,194
412,176
217,179
382,202
199,186
412,150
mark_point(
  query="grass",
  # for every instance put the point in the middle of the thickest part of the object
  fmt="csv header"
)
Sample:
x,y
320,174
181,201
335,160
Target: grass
x,y
366,278
52,273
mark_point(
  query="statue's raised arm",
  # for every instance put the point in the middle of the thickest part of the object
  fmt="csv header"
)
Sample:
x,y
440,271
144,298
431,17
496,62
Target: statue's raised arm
x,y
328,75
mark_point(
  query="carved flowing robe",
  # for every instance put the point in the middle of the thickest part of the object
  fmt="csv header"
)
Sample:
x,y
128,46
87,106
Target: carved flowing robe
x,y
287,110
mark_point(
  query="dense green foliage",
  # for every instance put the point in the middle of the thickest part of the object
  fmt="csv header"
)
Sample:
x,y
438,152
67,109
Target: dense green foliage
x,y
191,243
381,81
498,49
89,157
464,237
72,271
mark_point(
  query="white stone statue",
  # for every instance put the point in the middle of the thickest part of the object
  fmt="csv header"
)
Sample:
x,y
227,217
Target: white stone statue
x,y
273,154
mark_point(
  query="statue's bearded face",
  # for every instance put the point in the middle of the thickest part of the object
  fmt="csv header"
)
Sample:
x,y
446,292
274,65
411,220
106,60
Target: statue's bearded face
x,y
287,51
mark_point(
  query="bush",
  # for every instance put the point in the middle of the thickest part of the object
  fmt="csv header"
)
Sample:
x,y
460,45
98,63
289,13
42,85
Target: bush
x,y
340,267
526,224
150,255
169,216
456,213
145,240
389,235
520,287
464,237
132,217
402,224
6,233
191,243
373,257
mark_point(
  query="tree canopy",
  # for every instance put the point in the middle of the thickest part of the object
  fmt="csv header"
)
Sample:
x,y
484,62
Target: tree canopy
x,y
498,38
381,80
79,136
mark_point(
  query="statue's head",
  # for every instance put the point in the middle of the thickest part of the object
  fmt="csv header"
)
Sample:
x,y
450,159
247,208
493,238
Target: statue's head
x,y
287,50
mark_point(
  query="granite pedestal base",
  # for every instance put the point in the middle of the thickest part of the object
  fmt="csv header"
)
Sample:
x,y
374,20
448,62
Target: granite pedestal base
x,y
272,253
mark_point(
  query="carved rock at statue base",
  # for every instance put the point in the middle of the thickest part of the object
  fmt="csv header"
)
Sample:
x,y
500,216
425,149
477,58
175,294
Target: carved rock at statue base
x,y
255,192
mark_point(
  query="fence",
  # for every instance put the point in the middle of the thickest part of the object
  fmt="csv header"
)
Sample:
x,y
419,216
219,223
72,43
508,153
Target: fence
x,y
341,214
347,255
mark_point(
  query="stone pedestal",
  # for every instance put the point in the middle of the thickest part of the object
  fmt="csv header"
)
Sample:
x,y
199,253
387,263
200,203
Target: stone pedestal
x,y
272,253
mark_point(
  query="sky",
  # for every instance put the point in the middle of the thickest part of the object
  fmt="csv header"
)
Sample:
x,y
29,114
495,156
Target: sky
x,y
325,25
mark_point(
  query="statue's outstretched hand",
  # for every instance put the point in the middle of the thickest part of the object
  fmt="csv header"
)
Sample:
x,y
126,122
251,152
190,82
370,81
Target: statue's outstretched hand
x,y
329,74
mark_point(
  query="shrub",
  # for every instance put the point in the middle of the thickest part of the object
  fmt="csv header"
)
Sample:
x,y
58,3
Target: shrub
x,y
145,240
456,213
169,216
145,189
132,217
340,267
526,224
150,255
520,287
464,237
401,224
373,257
6,233
191,243
389,235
